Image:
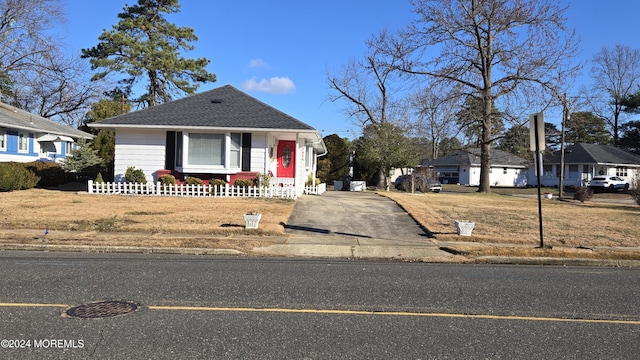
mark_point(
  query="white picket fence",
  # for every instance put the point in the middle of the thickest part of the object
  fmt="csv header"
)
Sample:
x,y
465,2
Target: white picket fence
x,y
315,190
157,189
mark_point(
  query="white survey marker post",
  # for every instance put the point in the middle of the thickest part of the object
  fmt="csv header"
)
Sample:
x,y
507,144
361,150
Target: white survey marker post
x,y
536,124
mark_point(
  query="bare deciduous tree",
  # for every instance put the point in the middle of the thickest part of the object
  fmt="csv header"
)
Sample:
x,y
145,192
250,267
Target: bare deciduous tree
x,y
366,87
36,74
491,48
23,32
435,107
616,72
59,89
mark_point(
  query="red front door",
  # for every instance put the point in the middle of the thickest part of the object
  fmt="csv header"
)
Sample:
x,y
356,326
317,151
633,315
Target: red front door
x,y
286,159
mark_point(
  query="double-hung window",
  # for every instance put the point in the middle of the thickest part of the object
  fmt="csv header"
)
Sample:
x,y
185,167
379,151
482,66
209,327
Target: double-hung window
x,y
23,143
235,150
308,158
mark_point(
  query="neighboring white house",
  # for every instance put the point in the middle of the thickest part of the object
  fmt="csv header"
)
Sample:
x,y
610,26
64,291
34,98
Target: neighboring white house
x,y
26,137
463,167
585,161
395,173
221,133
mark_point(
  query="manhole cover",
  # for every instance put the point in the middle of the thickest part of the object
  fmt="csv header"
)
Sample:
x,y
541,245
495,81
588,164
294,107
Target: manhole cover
x,y
101,309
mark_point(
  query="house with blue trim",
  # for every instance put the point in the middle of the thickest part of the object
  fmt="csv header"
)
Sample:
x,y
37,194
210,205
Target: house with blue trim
x,y
26,137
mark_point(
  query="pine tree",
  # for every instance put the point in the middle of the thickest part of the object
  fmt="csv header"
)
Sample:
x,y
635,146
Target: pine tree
x,y
83,161
104,141
146,47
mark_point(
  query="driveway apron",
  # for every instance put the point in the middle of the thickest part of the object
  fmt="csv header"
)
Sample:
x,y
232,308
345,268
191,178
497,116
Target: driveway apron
x,y
360,215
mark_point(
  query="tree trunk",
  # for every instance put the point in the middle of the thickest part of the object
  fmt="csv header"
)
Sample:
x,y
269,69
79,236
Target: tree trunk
x,y
485,168
381,182
485,146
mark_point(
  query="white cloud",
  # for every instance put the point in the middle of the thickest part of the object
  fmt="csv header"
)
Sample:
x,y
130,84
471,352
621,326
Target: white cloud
x,y
258,63
275,85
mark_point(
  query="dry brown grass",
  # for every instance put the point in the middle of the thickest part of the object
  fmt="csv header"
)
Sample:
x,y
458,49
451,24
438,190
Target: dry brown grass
x,y
83,219
132,220
100,239
510,219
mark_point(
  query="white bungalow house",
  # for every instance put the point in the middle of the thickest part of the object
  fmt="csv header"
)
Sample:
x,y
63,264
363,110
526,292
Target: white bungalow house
x,y
585,161
463,167
26,137
221,133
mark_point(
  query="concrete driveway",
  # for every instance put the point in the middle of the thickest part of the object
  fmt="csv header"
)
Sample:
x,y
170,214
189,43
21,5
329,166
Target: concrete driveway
x,y
357,215
354,225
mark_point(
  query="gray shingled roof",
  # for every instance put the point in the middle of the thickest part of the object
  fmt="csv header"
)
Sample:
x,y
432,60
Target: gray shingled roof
x,y
14,118
471,156
223,107
593,154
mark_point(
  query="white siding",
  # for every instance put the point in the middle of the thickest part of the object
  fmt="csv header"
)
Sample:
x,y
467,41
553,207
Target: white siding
x,y
142,149
471,176
513,176
18,158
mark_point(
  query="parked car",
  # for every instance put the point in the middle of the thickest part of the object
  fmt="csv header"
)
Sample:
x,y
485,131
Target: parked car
x,y
610,183
398,182
434,185
423,185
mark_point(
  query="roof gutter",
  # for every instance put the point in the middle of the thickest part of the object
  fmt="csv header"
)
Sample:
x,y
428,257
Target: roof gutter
x,y
42,131
98,125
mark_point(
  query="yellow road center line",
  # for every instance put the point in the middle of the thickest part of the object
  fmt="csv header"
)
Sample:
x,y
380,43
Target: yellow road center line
x,y
394,313
31,305
356,312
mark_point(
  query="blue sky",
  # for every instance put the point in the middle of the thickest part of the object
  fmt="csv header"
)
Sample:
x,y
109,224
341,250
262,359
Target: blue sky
x,y
279,51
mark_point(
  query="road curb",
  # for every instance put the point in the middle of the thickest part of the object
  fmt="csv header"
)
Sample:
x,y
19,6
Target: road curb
x,y
118,249
328,251
556,261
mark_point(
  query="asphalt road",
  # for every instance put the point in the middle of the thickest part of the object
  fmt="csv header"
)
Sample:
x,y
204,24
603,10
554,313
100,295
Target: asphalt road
x,y
195,307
